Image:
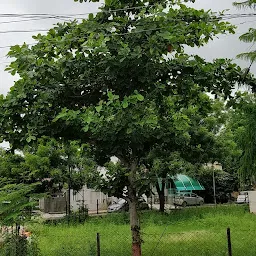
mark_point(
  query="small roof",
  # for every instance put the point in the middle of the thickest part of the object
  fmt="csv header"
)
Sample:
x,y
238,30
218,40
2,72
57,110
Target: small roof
x,y
185,183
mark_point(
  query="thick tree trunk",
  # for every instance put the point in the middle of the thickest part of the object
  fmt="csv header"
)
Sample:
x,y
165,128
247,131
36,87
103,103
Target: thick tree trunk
x,y
135,229
161,201
161,196
134,218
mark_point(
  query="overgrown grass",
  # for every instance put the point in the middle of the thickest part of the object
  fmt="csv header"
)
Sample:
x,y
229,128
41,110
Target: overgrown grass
x,y
188,232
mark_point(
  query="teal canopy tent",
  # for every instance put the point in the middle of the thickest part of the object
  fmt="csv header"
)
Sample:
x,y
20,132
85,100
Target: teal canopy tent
x,y
185,183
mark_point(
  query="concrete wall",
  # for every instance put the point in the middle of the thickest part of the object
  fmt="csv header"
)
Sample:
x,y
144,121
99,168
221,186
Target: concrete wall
x,y
53,204
88,197
85,197
252,201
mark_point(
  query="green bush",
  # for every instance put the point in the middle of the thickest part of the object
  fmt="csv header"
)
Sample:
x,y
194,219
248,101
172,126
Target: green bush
x,y
16,245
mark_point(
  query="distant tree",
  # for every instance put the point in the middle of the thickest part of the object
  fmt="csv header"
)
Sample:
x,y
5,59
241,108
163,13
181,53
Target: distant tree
x,y
45,167
57,163
188,151
237,139
225,184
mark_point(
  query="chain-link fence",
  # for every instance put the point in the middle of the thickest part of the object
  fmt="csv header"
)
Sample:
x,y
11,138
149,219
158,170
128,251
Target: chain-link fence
x,y
108,243
190,243
194,231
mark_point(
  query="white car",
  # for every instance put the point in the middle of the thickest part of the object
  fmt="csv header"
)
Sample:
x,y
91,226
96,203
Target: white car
x,y
243,198
119,205
185,199
122,205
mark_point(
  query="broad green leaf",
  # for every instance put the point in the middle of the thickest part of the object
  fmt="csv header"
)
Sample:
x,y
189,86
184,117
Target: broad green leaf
x,y
98,108
125,103
140,97
30,138
85,128
110,95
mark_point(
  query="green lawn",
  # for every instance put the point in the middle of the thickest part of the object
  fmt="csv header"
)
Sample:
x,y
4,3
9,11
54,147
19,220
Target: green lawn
x,y
188,232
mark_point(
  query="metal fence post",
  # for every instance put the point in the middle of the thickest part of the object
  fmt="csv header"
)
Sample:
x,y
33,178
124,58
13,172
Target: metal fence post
x,y
98,244
97,206
229,242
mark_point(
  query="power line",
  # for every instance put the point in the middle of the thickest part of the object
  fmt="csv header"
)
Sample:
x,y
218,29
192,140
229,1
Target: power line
x,y
45,30
49,15
222,17
31,19
75,14
229,16
244,22
23,31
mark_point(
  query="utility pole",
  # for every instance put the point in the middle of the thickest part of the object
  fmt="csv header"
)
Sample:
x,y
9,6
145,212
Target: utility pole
x,y
69,190
214,186
151,202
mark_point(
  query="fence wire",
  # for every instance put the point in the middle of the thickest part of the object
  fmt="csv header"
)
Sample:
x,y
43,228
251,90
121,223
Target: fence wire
x,y
189,243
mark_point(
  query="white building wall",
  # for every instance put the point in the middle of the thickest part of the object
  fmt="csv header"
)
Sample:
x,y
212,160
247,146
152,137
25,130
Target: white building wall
x,y
215,166
89,197
252,201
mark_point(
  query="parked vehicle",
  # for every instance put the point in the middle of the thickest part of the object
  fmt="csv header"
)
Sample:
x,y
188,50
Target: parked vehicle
x,y
117,206
122,205
243,198
185,199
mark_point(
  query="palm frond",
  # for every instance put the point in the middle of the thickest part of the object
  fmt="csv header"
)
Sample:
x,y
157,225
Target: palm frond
x,y
245,4
249,37
249,56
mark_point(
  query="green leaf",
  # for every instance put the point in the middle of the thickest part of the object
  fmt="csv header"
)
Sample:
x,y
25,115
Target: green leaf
x,y
86,128
129,131
140,97
90,17
110,95
98,108
61,115
30,138
125,103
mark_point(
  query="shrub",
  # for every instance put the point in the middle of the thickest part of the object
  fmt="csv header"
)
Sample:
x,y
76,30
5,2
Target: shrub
x,y
16,245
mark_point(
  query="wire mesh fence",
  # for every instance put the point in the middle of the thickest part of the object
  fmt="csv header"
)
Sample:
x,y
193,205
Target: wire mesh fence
x,y
107,243
189,232
190,243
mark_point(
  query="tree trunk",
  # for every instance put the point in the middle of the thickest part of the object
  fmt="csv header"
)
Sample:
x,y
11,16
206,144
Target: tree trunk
x,y
134,218
135,229
161,201
161,195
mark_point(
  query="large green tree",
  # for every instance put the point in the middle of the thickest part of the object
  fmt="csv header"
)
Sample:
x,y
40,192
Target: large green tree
x,y
110,80
247,111
238,139
194,145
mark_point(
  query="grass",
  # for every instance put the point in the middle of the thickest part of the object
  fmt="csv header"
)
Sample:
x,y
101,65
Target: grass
x,y
188,232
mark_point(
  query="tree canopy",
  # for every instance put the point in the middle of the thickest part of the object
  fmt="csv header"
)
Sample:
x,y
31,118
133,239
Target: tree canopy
x,y
45,167
238,136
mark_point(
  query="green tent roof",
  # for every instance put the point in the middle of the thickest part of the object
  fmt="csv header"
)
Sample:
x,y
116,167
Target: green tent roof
x,y
185,183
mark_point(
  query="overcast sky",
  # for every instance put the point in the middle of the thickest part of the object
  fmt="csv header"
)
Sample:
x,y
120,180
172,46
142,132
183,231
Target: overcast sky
x,y
227,46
